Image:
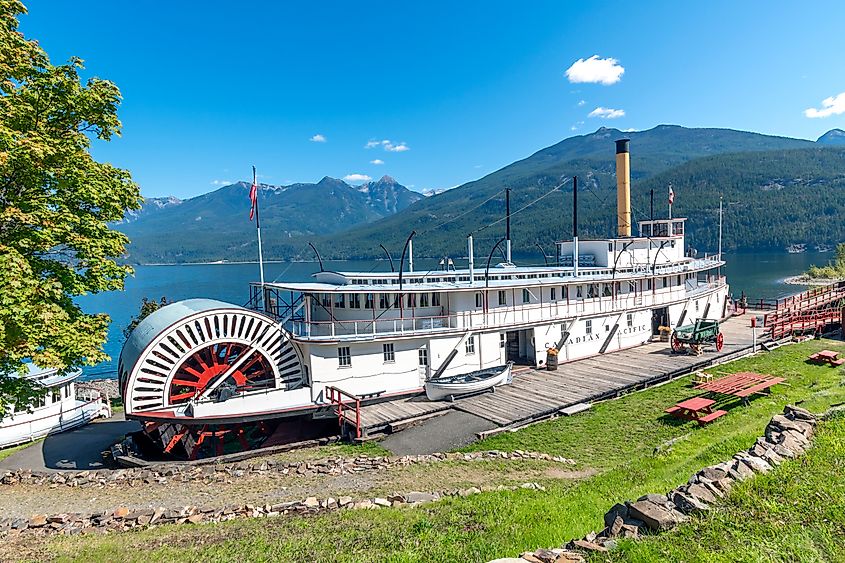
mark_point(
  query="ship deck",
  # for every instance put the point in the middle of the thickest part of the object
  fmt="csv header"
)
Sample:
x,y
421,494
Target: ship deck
x,y
537,394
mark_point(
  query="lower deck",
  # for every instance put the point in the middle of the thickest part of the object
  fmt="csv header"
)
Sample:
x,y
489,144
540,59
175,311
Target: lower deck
x,y
535,394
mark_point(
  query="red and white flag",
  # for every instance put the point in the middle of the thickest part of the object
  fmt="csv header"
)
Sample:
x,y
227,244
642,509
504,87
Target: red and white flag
x,y
671,195
253,195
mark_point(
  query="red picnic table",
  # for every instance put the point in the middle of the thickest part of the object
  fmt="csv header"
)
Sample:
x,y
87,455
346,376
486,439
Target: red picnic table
x,y
742,384
698,409
827,357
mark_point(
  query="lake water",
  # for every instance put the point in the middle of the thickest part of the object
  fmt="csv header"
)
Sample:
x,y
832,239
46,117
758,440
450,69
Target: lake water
x,y
759,275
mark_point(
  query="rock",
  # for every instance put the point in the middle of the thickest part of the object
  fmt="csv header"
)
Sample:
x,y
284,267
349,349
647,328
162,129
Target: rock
x,y
687,503
546,555
417,497
799,413
701,493
344,501
311,503
713,473
195,518
508,560
531,558
589,546
616,528
617,510
121,512
784,423
381,502
656,517
38,521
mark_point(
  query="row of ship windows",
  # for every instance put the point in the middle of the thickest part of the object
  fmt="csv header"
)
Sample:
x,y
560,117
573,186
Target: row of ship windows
x,y
588,291
456,279
53,396
344,355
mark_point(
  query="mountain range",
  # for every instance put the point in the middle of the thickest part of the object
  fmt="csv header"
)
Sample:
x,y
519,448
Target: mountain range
x,y
777,190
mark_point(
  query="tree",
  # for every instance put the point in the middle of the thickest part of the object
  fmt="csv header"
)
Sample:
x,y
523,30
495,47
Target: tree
x,y
148,307
56,203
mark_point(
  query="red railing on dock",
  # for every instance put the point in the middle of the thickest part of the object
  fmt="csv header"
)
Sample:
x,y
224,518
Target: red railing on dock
x,y
346,407
810,310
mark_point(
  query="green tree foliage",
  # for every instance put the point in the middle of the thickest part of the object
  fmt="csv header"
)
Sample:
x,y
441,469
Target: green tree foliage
x,y
835,269
56,203
148,307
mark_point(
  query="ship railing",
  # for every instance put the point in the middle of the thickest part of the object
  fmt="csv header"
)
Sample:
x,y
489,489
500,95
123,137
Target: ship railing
x,y
497,317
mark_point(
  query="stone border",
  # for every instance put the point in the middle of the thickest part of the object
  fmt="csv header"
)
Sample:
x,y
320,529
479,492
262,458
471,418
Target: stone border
x,y
122,518
164,473
787,436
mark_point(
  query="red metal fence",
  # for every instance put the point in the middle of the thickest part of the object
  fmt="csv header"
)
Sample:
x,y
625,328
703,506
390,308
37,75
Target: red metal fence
x,y
347,407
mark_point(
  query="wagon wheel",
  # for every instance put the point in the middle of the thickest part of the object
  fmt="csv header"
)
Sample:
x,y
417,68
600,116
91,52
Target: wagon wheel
x,y
677,345
720,341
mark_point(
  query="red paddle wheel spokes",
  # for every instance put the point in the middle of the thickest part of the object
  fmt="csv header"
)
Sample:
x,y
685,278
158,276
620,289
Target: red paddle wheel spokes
x,y
205,365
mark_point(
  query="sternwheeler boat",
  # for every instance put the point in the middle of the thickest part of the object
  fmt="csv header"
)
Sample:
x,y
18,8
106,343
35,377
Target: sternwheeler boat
x,y
202,374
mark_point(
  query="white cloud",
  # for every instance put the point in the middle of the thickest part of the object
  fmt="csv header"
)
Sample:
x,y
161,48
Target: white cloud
x,y
388,145
595,70
581,103
221,182
834,105
377,161
318,138
357,178
607,113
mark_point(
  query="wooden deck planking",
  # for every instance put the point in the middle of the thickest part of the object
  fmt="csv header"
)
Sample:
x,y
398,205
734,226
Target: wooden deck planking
x,y
534,393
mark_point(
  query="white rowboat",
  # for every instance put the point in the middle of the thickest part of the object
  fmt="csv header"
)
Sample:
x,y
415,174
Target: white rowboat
x,y
473,382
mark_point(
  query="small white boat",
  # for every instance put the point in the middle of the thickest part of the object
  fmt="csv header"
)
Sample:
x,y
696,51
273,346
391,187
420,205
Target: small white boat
x,y
473,382
62,407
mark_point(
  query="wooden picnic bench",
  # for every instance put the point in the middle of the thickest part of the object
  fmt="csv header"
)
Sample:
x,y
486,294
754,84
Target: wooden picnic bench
x,y
826,357
698,409
741,385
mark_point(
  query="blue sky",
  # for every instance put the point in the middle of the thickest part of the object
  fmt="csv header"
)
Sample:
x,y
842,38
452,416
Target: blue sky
x,y
443,92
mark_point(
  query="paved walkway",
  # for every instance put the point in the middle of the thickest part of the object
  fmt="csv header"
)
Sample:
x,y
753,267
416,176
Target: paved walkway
x,y
439,434
73,450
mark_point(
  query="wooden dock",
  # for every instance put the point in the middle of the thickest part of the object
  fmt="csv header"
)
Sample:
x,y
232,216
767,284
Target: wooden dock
x,y
536,394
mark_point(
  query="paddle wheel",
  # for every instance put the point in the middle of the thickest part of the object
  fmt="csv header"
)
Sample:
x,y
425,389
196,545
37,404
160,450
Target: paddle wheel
x,y
200,374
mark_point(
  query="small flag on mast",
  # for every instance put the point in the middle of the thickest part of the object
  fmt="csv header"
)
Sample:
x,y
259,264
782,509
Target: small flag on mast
x,y
253,195
671,195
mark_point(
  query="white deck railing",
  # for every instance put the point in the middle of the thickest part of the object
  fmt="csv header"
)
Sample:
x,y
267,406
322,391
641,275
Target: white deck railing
x,y
495,316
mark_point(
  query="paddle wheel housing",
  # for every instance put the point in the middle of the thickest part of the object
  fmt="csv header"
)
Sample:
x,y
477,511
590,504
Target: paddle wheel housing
x,y
204,351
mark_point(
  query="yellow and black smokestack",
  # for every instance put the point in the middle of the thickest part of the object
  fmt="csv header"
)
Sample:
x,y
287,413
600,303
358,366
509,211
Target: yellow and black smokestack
x,y
623,188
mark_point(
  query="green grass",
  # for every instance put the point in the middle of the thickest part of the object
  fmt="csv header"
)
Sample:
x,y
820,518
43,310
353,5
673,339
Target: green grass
x,y
617,439
795,513
6,452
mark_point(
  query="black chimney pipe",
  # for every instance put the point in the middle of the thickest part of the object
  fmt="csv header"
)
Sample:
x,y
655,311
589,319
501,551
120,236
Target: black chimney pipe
x,y
652,204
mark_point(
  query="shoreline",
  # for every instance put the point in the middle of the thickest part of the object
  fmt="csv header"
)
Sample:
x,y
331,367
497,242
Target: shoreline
x,y
804,279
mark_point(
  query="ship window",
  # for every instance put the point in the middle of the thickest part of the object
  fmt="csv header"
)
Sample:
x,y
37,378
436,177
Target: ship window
x,y
648,284
67,391
503,297
470,345
368,301
696,305
56,393
435,300
383,301
344,358
326,299
592,291
564,292
589,325
423,354
423,299
630,319
579,292
340,300
679,280
553,294
411,300
610,247
606,291
354,300
678,228
389,355
526,296
502,340
397,300
479,300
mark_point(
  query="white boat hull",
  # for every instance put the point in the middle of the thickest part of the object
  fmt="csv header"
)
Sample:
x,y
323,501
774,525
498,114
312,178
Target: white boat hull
x,y
437,390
